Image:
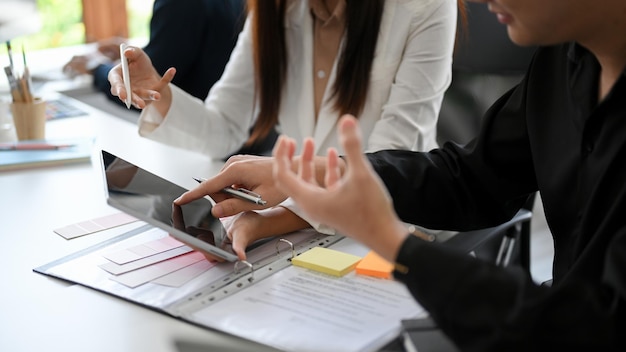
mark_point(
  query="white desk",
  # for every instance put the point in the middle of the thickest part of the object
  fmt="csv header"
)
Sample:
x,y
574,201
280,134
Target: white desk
x,y
38,313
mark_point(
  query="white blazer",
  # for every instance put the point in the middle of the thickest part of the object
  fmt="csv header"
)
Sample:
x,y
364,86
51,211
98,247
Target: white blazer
x,y
410,73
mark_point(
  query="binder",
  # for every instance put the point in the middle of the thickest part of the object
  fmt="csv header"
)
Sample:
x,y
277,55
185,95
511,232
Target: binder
x,y
424,335
271,302
266,299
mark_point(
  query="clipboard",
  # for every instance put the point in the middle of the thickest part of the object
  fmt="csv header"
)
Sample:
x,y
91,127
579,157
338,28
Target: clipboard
x,y
266,299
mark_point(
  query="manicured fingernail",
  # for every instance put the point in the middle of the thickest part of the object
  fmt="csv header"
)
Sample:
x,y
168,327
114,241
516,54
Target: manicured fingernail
x,y
217,211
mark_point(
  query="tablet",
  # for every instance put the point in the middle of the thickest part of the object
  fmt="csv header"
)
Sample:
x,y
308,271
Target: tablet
x,y
149,197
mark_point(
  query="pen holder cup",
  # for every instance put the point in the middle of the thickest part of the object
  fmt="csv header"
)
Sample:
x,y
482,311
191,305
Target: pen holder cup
x,y
29,119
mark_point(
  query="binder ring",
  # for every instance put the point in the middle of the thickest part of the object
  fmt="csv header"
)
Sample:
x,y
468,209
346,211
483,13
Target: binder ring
x,y
237,270
293,252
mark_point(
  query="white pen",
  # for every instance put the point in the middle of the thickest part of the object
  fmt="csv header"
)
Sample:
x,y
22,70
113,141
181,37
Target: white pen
x,y
240,193
126,76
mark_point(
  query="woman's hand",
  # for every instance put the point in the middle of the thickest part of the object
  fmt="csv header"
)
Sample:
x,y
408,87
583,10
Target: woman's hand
x,y
146,83
250,226
250,172
355,203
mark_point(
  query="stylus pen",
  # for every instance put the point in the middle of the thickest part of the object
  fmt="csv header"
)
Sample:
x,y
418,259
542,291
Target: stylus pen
x,y
240,193
126,76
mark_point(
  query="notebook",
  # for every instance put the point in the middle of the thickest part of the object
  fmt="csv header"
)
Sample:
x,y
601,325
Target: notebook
x,y
13,157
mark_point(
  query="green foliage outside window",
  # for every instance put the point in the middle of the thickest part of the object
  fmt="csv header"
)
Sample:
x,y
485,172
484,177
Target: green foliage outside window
x,y
61,24
139,14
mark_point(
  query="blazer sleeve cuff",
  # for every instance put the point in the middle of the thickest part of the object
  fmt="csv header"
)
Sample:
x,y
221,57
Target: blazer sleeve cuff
x,y
318,226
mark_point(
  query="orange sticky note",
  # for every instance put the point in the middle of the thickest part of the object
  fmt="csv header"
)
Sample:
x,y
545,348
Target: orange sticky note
x,y
374,265
328,261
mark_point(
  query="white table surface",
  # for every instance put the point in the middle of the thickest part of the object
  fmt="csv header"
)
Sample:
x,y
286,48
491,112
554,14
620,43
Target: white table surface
x,y
39,313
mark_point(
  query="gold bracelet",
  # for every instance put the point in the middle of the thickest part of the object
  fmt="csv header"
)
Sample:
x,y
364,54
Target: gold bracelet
x,y
403,269
419,234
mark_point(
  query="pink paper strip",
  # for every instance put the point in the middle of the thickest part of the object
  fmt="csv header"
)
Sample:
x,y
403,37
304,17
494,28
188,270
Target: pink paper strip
x,y
90,226
141,276
143,250
184,275
117,269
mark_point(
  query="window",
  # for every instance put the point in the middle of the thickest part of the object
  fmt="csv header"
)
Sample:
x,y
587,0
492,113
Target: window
x,y
62,21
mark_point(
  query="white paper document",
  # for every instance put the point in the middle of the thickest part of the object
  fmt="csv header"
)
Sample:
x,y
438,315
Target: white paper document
x,y
299,309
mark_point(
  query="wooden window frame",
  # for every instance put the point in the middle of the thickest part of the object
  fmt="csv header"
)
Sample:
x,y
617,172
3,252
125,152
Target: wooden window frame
x,y
104,19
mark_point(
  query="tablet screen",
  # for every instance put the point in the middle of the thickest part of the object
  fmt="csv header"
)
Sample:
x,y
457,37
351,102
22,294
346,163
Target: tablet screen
x,y
150,198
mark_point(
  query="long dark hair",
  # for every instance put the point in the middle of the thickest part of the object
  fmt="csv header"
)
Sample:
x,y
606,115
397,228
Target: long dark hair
x,y
363,18
270,58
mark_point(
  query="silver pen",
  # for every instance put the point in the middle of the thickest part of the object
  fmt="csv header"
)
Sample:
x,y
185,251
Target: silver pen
x,y
240,193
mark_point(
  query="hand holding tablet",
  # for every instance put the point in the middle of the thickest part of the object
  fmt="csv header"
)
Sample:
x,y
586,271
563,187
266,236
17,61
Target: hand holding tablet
x,y
149,198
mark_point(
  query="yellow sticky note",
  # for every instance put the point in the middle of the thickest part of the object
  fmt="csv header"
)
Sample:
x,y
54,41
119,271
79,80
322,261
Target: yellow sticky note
x,y
374,265
327,261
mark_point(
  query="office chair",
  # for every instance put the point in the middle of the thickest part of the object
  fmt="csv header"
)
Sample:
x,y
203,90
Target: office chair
x,y
506,245
486,64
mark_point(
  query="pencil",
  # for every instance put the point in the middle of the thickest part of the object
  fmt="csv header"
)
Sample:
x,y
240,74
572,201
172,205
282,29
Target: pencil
x,y
26,75
26,96
14,85
10,52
